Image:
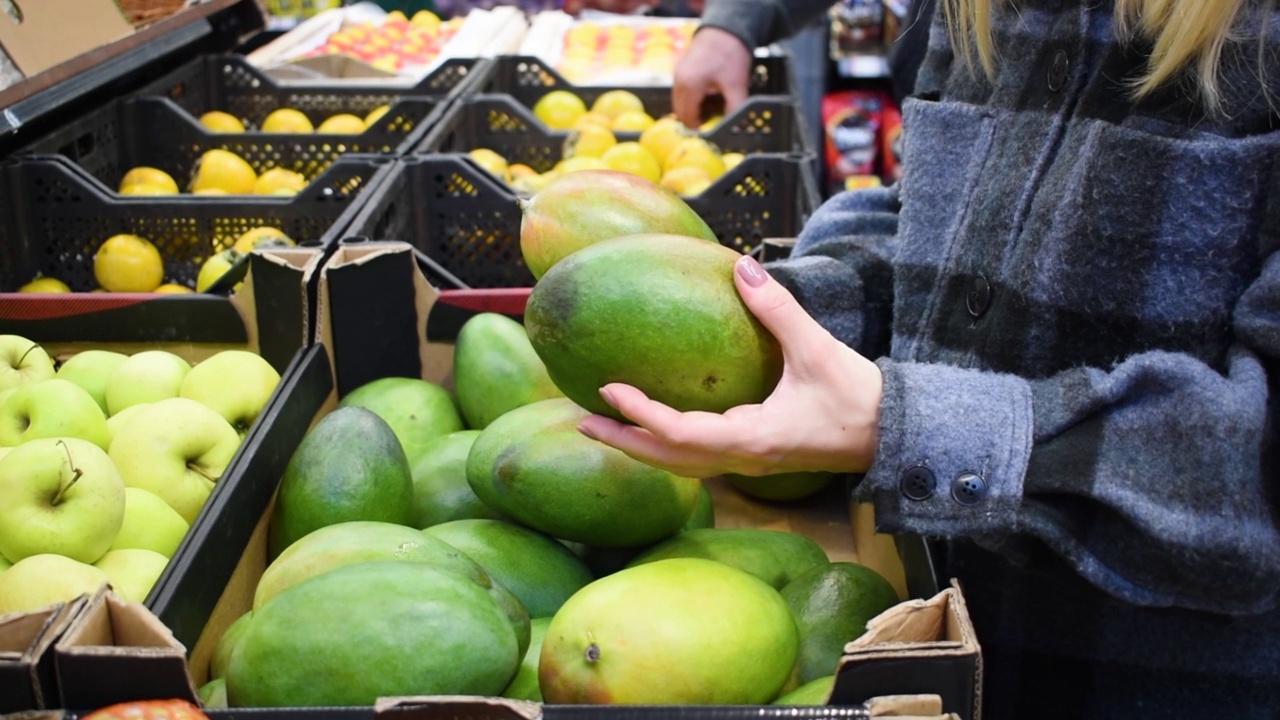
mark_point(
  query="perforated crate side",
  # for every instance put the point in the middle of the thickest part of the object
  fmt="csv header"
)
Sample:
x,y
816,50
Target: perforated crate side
x,y
231,84
456,214
497,122
56,218
528,78
468,221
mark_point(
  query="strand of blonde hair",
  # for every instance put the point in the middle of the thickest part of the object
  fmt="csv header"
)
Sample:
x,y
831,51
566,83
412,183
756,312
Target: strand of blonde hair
x,y
1185,35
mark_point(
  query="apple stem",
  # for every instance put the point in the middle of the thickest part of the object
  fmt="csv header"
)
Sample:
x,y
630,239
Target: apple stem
x,y
203,474
76,474
25,354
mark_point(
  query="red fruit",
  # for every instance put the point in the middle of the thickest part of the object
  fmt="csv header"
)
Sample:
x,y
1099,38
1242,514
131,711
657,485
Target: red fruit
x,y
149,710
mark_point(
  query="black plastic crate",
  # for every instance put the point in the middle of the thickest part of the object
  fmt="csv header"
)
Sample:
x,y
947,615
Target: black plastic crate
x,y
527,79
766,124
231,84
53,217
466,223
154,132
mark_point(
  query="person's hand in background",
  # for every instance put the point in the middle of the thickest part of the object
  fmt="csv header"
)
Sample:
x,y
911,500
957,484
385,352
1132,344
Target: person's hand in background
x,y
715,63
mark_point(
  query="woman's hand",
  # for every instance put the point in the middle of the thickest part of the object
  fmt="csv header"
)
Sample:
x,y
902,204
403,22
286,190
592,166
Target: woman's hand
x,y
823,414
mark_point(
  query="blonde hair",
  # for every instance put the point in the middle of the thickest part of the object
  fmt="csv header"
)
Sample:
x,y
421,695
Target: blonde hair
x,y
1186,35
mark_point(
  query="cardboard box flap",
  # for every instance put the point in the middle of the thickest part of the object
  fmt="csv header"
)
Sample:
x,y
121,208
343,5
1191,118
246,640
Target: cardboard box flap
x,y
447,707
34,715
27,677
918,646
113,638
39,34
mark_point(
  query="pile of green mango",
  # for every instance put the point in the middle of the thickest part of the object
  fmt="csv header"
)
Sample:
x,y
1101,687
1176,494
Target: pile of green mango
x,y
468,540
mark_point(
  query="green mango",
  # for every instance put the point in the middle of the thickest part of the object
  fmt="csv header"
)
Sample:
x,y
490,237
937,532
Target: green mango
x,y
533,465
440,489
496,370
226,645
659,312
372,630
525,684
814,693
775,557
350,466
832,604
416,410
683,631
541,572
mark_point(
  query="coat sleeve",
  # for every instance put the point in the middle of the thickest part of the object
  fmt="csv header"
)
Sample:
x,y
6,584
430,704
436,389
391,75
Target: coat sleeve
x,y
840,268
1156,479
760,22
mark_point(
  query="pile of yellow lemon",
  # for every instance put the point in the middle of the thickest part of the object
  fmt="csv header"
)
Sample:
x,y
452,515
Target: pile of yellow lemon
x,y
290,121
218,172
666,152
128,263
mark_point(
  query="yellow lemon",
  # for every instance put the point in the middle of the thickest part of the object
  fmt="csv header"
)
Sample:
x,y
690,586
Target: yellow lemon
x,y
221,122
286,120
148,176
559,109
425,18
45,285
376,114
491,161
395,16
211,191
687,180
533,183
731,160
260,237
632,121
615,102
342,124
633,158
591,118
663,136
711,122
128,263
697,152
146,189
214,268
581,162
173,289
226,171
276,180
590,141
520,170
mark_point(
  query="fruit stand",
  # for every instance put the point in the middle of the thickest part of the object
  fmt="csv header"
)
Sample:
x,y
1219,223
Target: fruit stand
x,y
336,473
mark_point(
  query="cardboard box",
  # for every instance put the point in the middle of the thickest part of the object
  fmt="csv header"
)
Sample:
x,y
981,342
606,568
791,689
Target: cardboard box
x,y
28,680
116,651
49,32
384,334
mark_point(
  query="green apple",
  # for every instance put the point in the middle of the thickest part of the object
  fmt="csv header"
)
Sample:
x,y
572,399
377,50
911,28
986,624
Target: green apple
x,y
145,377
42,580
177,449
62,496
117,421
4,450
51,408
4,564
90,370
22,361
149,524
132,571
236,384
213,694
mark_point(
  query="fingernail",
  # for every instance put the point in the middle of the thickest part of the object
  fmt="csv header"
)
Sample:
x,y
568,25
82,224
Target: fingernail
x,y
751,272
582,428
608,397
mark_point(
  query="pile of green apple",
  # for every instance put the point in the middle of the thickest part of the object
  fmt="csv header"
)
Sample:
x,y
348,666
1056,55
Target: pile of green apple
x,y
106,460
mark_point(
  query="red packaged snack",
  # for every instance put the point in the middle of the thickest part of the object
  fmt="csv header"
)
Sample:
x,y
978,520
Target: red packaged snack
x,y
851,122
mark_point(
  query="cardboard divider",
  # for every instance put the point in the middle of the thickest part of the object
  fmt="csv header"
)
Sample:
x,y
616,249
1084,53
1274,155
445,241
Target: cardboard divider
x,y
28,679
112,640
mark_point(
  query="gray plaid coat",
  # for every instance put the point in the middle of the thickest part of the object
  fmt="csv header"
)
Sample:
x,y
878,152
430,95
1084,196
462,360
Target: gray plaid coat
x,y
1075,301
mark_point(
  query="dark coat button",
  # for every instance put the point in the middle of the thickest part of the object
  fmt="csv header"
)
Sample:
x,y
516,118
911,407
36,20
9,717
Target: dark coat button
x,y
917,483
1057,75
968,489
978,299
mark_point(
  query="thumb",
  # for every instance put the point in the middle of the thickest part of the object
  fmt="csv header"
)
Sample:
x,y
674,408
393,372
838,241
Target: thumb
x,y
773,305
